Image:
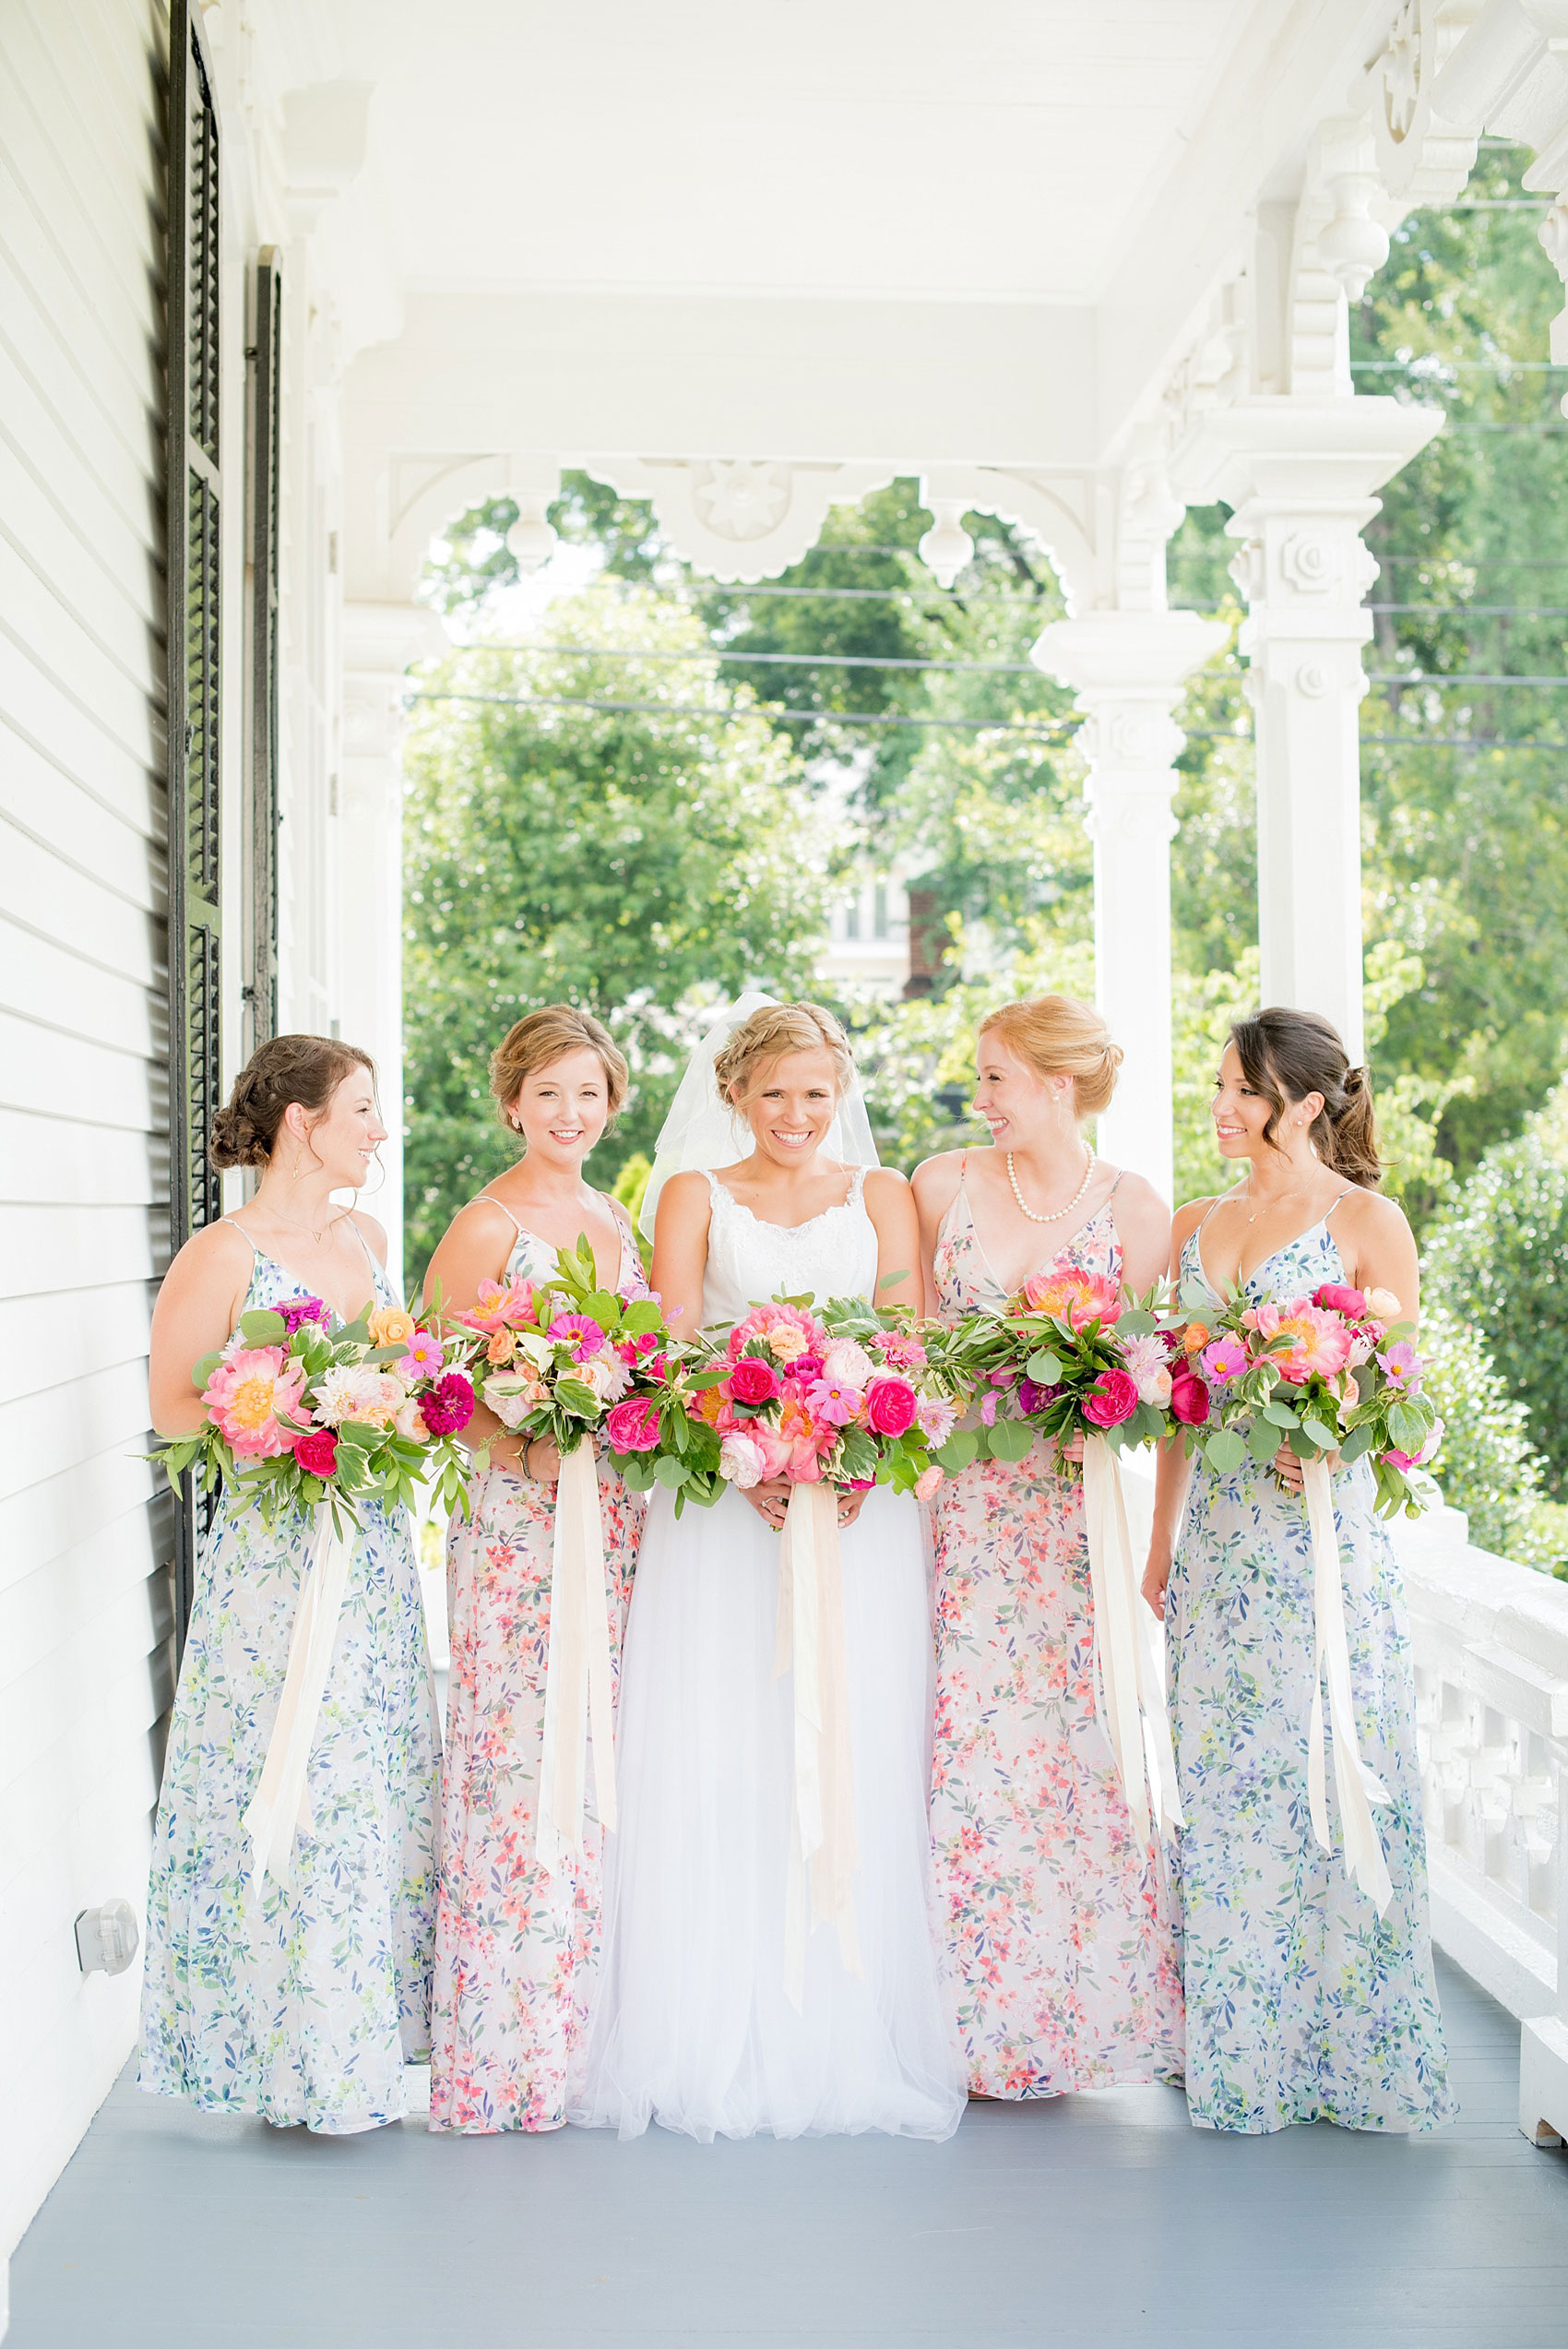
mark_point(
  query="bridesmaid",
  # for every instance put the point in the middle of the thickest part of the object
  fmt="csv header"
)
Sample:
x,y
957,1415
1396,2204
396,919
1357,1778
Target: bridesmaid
x,y
1057,1919
304,2003
1302,2004
516,1949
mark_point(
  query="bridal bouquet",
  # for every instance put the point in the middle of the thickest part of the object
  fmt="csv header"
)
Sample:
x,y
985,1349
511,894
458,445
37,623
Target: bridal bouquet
x,y
297,1412
1069,1357
1336,1372
837,1394
566,1358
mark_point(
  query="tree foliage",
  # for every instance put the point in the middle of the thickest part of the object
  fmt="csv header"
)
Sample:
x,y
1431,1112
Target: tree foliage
x,y
641,865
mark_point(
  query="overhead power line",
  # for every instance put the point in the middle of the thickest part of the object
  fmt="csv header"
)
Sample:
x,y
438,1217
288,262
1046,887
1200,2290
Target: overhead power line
x,y
1062,729
1458,677
784,659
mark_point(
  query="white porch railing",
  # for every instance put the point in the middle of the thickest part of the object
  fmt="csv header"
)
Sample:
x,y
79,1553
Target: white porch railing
x,y
1491,1701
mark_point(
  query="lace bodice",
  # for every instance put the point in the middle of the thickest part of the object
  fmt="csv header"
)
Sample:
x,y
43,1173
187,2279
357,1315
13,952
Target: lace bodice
x,y
964,1280
749,1261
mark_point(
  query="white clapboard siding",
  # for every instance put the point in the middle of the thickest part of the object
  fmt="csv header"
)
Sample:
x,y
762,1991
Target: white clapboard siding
x,y
86,1657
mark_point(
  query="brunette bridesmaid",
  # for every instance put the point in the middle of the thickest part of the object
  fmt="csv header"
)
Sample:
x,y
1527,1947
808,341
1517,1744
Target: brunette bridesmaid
x,y
1303,2003
517,1945
299,2003
1057,1917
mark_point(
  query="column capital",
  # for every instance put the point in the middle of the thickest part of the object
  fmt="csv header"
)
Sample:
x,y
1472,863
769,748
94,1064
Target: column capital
x,y
380,640
1311,456
1127,656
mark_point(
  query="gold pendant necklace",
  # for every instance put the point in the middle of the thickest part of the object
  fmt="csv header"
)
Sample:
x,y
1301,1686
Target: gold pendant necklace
x,y
1088,1177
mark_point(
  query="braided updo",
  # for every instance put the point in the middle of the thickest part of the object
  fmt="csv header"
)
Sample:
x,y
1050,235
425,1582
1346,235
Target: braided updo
x,y
768,1034
286,1068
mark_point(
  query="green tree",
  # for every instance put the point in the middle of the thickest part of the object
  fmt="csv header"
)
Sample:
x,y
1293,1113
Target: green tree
x,y
637,864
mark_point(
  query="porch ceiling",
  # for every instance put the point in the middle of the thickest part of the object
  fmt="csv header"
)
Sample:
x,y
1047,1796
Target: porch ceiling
x,y
1055,186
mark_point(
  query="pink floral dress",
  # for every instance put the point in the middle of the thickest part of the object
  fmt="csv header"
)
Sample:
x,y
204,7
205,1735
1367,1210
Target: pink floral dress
x,y
516,1950
1059,1924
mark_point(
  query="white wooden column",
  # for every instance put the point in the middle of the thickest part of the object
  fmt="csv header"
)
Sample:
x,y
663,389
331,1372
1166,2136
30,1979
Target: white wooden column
x,y
1300,475
379,641
1129,669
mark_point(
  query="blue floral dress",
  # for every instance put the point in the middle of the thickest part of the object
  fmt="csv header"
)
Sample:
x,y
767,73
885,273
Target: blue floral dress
x,y
1302,2004
298,2004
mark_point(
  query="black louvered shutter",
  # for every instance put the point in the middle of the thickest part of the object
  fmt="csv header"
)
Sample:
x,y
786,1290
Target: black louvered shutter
x,y
266,410
194,717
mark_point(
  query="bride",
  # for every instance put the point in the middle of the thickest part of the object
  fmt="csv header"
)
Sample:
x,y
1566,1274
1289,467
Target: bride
x,y
705,2020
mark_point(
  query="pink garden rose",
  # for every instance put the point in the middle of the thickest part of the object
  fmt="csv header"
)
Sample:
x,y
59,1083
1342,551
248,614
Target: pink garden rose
x,y
1335,1296
891,1404
633,1427
411,1424
317,1451
847,1362
927,1482
1113,1398
248,1395
753,1381
1189,1399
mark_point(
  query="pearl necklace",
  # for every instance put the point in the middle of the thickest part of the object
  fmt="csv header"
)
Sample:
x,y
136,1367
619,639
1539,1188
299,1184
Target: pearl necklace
x,y
1090,1163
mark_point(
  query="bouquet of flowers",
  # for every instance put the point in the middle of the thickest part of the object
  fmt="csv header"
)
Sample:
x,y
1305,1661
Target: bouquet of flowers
x,y
1336,1372
567,1358
839,1394
298,1413
1069,1357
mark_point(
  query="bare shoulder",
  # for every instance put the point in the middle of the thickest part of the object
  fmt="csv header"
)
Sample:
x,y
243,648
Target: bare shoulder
x,y
885,1183
1369,1215
370,1232
1186,1221
687,1196
1135,1197
219,1247
935,1180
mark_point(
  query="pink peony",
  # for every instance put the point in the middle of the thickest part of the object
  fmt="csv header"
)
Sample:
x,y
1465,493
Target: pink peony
x,y
741,1460
832,1400
753,1381
848,1361
1075,1297
633,1427
449,1405
1189,1399
927,1482
248,1394
499,1302
317,1451
1319,1342
891,1406
1334,1296
1113,1398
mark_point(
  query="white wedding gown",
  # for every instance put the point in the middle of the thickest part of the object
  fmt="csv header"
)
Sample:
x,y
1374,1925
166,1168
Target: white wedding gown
x,y
692,2027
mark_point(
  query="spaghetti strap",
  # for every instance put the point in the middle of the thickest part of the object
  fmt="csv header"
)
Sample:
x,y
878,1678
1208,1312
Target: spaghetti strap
x,y
1335,1200
245,1235
1209,1210
488,1198
369,1251
1111,1194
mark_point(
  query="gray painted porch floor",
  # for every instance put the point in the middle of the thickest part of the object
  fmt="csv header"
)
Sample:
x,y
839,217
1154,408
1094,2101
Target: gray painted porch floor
x,y
1105,2219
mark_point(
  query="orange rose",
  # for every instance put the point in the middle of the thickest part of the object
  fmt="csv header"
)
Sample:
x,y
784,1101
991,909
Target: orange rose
x,y
1196,1337
390,1326
502,1347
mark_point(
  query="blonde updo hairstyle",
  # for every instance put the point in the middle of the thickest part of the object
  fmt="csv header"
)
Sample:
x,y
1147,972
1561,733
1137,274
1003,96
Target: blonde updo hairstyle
x,y
550,1034
742,1065
307,1069
1059,1036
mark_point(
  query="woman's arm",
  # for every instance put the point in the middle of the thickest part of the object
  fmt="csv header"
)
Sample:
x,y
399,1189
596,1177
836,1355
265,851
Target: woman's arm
x,y
1380,1248
890,1204
935,1186
680,1250
201,1299
475,1248
1143,1226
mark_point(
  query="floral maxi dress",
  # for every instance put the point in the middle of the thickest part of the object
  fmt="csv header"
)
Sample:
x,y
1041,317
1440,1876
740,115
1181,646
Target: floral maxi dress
x,y
516,1950
300,2003
1057,1920
1302,2004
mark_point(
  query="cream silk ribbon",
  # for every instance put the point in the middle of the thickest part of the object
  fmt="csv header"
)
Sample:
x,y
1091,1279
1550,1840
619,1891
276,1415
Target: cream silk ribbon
x,y
810,1639
1130,1691
1357,1786
577,1689
281,1806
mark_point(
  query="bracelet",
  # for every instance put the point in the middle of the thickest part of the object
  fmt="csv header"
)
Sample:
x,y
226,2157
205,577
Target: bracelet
x,y
529,1476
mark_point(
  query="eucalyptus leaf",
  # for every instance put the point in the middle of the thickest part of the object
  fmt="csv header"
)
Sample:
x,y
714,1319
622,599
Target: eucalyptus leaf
x,y
1225,1451
260,1327
958,1451
1045,1368
1281,1415
672,1473
1262,1439
1011,1439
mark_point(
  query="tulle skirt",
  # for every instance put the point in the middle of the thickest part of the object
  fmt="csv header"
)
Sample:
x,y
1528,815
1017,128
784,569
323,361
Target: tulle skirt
x,y
692,2027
